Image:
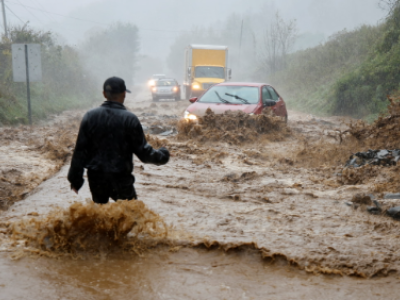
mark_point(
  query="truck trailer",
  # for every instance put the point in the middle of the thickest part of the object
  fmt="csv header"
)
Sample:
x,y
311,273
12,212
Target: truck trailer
x,y
205,65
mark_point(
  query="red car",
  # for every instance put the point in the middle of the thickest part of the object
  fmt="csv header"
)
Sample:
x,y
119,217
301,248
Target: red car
x,y
248,97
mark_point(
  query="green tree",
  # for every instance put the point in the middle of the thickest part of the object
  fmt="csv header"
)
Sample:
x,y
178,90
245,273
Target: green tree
x,y
65,84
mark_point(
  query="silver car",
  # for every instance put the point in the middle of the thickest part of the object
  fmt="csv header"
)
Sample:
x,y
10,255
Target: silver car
x,y
166,89
154,78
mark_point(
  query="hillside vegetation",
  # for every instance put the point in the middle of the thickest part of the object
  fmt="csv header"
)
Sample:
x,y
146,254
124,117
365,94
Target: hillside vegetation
x,y
350,74
65,84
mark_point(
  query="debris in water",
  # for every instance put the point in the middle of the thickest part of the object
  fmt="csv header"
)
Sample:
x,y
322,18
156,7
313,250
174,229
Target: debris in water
x,y
394,212
384,132
374,157
167,133
392,196
234,127
375,210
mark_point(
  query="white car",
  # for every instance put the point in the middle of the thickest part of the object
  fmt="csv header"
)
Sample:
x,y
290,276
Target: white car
x,y
166,89
154,78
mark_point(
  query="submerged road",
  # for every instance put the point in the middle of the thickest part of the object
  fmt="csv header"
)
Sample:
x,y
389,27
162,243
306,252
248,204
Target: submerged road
x,y
282,215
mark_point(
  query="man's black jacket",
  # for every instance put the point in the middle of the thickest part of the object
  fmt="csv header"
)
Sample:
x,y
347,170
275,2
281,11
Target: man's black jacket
x,y
108,137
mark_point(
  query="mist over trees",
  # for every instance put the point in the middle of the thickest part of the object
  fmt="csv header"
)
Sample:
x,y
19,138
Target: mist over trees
x,y
224,33
278,41
242,33
258,46
65,83
72,77
388,4
112,52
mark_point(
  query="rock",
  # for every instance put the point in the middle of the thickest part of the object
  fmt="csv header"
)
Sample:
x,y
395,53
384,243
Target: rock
x,y
375,210
167,133
394,212
392,196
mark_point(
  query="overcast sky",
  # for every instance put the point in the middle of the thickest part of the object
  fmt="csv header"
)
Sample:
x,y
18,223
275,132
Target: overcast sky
x,y
160,21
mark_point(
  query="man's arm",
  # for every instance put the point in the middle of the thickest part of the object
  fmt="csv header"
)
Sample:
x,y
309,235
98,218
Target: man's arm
x,y
75,174
143,150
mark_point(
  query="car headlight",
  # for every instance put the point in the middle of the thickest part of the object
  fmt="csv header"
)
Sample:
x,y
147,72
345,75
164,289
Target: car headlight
x,y
195,86
152,82
175,89
154,89
189,116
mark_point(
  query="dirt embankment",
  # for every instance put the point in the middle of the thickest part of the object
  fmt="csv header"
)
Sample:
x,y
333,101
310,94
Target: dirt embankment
x,y
384,133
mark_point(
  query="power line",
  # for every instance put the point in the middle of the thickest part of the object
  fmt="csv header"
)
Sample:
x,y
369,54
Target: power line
x,y
31,13
45,13
99,23
27,7
4,18
9,9
48,15
85,20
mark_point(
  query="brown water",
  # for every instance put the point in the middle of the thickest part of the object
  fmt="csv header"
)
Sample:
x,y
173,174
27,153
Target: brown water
x,y
243,220
187,274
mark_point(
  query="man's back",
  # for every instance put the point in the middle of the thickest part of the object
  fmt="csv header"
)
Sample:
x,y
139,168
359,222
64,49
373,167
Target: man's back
x,y
108,137
111,132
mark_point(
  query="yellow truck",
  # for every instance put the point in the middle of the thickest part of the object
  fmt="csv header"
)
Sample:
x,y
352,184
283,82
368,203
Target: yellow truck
x,y
205,66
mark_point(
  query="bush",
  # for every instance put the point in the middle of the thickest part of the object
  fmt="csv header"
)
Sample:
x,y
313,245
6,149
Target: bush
x,y
379,71
351,74
65,84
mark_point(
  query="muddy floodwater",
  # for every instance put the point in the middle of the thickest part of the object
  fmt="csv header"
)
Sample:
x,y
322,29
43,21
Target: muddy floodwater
x,y
187,274
243,210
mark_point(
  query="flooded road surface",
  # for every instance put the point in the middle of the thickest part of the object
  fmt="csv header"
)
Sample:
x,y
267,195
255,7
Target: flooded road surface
x,y
249,213
30,155
187,274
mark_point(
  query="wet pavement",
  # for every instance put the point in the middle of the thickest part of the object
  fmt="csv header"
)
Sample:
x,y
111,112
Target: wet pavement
x,y
247,219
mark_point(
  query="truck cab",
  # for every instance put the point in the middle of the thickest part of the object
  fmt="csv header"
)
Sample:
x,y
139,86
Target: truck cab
x,y
205,65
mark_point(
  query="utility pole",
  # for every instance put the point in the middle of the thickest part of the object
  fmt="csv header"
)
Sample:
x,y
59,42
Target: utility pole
x,y
3,6
28,89
240,46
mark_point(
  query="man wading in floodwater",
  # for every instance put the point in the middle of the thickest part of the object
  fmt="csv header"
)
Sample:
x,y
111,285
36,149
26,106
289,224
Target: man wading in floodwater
x,y
108,137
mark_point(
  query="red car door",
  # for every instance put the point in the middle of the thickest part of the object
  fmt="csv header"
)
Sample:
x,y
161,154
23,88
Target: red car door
x,y
280,108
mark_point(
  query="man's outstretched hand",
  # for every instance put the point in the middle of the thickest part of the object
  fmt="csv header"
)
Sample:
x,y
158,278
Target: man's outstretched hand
x,y
164,146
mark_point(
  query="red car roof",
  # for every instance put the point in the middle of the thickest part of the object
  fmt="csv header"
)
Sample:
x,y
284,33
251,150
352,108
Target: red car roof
x,y
243,83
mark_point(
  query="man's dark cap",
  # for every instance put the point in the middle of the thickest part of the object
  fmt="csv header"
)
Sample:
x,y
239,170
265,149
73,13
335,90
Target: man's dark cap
x,y
115,85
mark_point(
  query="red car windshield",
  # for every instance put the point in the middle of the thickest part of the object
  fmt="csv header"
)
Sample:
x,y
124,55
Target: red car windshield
x,y
229,93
